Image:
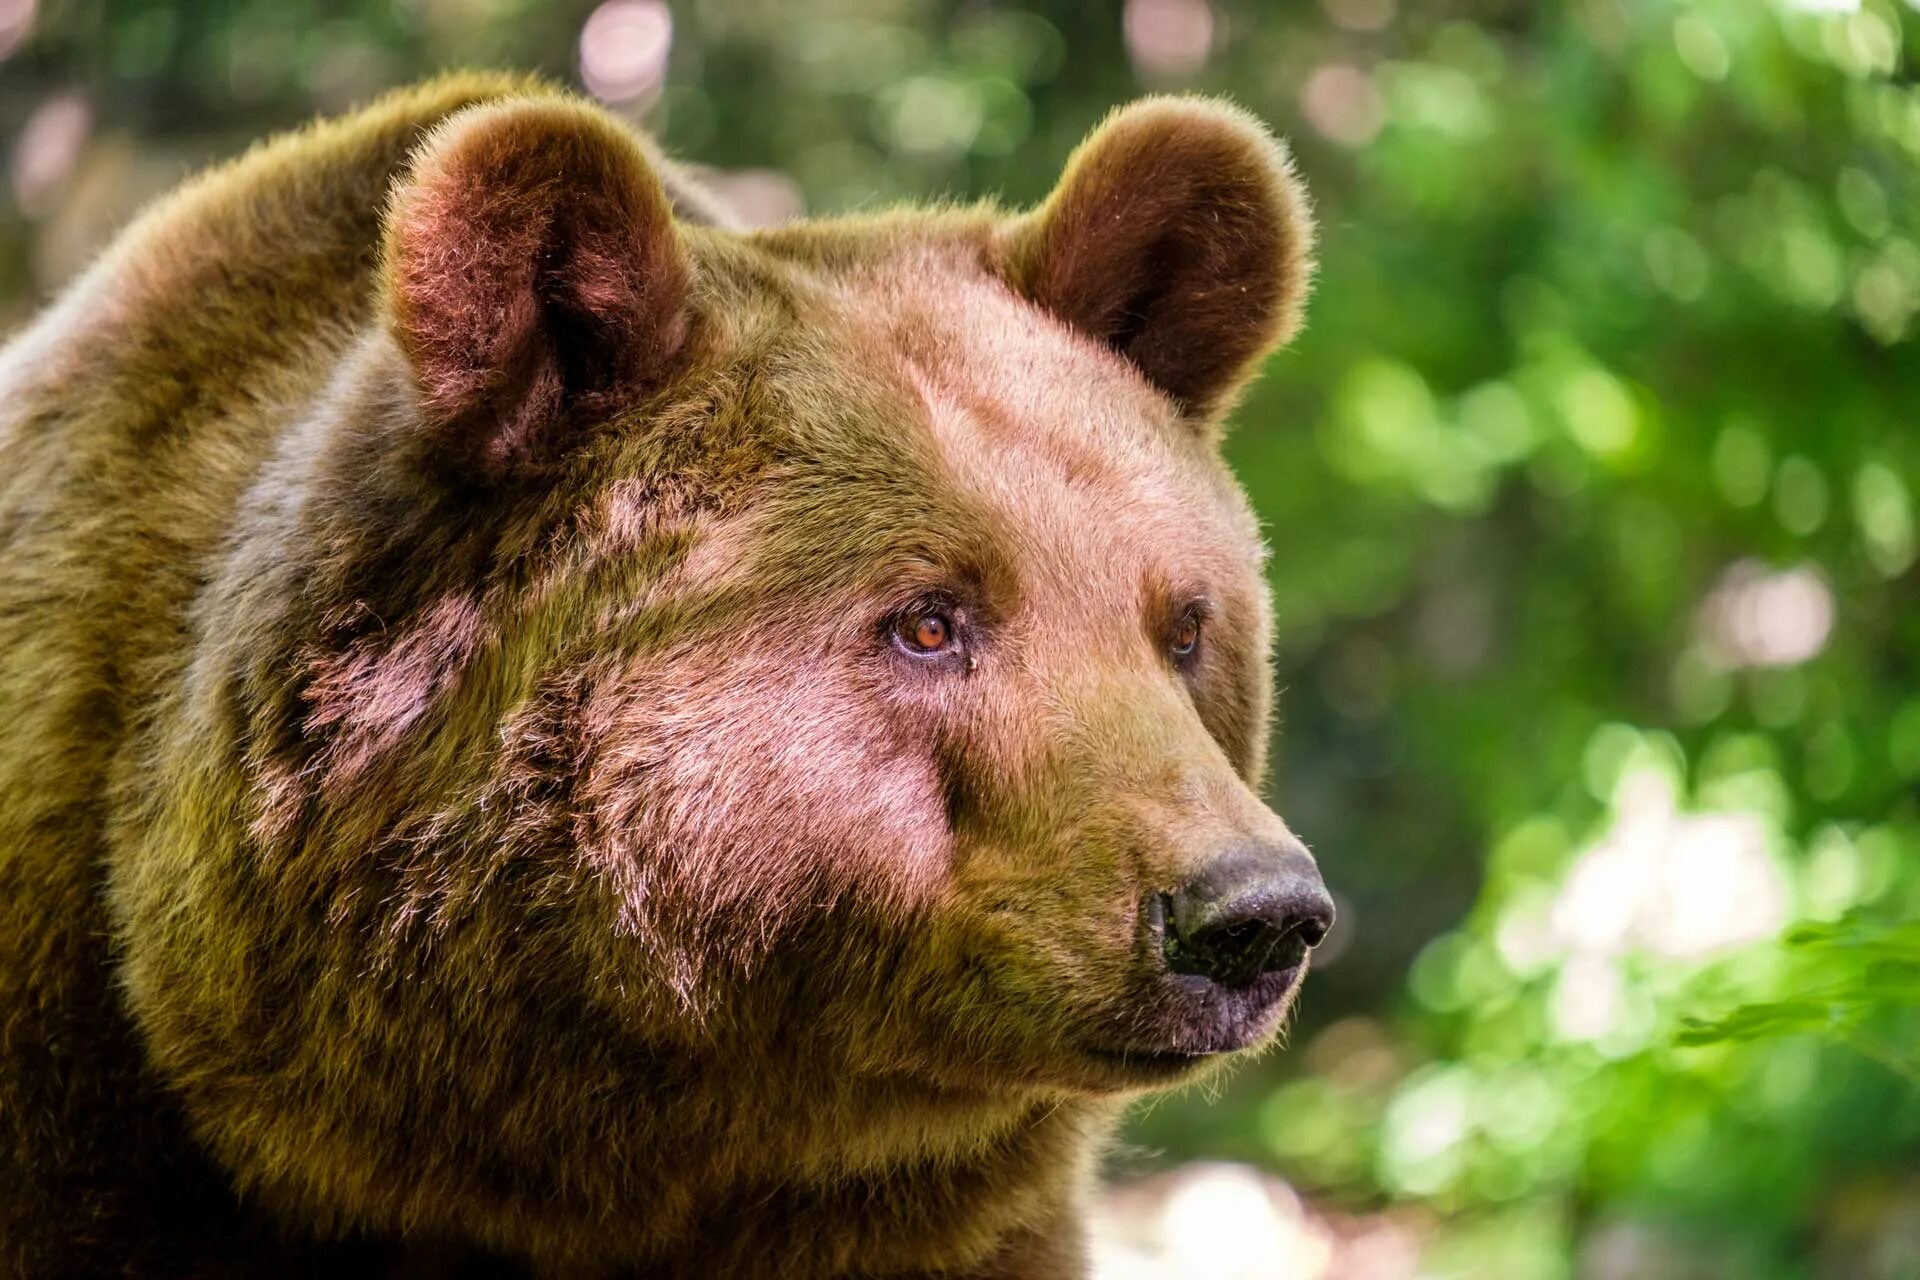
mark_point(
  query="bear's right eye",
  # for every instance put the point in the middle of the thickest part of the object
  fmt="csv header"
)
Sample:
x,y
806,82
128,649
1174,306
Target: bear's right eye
x,y
924,633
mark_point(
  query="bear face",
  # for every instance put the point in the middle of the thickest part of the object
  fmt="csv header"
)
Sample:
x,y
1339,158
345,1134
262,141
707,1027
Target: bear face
x,y
764,696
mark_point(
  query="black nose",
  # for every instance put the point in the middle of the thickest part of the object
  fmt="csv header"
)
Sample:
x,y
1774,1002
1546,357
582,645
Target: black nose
x,y
1254,911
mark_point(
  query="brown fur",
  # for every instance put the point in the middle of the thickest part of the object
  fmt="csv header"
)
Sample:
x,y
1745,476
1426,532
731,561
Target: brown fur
x,y
459,799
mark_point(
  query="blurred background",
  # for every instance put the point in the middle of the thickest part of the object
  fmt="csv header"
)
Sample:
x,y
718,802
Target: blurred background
x,y
1591,491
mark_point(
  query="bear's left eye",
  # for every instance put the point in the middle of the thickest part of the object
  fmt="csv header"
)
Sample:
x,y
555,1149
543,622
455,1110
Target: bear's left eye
x,y
924,633
1185,640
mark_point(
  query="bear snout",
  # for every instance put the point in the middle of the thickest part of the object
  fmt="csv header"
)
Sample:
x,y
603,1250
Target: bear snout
x,y
1221,956
1254,911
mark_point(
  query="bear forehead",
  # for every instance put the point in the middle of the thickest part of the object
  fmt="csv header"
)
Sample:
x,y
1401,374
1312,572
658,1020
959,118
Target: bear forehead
x,y
924,412
1051,429
919,302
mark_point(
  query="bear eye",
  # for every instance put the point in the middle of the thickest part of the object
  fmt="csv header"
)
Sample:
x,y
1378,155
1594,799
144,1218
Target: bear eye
x,y
1185,639
924,633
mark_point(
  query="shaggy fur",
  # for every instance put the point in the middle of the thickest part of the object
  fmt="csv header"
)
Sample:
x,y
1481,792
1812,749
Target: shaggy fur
x,y
462,806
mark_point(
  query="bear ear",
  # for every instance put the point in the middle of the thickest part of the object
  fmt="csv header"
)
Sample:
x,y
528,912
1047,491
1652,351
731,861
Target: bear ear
x,y
534,277
1178,236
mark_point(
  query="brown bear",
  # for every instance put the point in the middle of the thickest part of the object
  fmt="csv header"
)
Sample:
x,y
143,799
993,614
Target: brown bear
x,y
548,735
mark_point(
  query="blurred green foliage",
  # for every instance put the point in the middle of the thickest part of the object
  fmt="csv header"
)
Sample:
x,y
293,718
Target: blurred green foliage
x,y
1591,494
1846,979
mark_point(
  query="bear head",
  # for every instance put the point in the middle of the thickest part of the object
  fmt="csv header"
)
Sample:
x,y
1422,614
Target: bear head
x,y
676,674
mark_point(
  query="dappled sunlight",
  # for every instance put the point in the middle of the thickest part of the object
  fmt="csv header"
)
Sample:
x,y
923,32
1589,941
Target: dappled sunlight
x,y
1214,1221
1678,885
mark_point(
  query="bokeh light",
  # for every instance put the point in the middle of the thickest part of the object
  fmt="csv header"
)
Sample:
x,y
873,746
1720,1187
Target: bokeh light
x,y
1220,1221
1679,885
932,115
624,47
759,197
16,20
47,150
1342,103
1757,617
1360,15
1168,39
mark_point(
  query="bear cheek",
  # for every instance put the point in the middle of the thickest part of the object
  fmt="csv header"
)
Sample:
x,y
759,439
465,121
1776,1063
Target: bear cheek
x,y
1051,904
761,785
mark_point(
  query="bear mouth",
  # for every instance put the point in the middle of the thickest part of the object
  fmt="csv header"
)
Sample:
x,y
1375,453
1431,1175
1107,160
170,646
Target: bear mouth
x,y
1181,1023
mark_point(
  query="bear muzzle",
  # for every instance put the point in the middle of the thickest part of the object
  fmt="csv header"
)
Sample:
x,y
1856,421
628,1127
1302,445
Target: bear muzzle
x,y
1255,911
1221,957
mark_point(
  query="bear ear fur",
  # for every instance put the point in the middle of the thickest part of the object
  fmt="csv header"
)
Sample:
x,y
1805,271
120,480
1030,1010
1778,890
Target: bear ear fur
x,y
1178,236
533,276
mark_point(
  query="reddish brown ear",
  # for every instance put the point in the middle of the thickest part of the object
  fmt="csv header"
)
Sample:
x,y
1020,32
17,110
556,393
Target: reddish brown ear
x,y
1178,236
534,277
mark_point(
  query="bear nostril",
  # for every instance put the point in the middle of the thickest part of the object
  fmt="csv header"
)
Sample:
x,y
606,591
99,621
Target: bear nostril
x,y
1313,929
1236,953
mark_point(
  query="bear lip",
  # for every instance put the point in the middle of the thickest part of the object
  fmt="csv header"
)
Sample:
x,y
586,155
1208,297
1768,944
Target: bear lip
x,y
1199,1022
